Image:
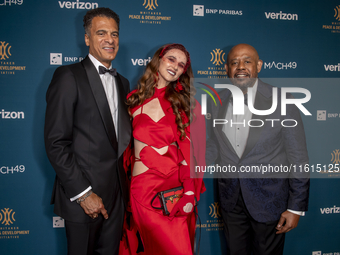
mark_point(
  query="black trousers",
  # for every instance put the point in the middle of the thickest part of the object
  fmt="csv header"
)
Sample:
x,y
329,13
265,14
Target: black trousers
x,y
100,236
245,236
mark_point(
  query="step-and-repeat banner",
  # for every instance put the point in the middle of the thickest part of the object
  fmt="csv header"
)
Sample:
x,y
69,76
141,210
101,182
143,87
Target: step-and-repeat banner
x,y
295,39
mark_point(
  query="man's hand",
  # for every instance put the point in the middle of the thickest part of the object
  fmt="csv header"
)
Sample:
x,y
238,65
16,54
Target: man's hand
x,y
93,205
287,222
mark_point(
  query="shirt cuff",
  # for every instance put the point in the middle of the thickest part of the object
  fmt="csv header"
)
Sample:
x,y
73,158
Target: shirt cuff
x,y
297,212
81,194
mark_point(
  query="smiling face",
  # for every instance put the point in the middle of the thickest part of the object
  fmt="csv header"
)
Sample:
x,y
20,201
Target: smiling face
x,y
171,67
103,40
243,65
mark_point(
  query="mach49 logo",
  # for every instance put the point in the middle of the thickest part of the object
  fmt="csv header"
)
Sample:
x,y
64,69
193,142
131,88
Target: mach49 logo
x,y
280,66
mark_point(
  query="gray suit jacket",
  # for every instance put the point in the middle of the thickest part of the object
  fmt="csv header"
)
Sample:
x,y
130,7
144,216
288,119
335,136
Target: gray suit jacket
x,y
265,195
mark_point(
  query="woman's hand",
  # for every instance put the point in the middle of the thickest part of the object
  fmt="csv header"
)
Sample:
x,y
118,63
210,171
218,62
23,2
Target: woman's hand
x,y
184,206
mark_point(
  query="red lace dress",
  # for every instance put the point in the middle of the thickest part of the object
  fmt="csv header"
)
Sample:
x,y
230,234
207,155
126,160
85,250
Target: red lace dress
x,y
159,158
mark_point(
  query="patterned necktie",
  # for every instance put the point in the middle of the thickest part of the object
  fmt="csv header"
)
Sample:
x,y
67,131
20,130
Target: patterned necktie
x,y
103,70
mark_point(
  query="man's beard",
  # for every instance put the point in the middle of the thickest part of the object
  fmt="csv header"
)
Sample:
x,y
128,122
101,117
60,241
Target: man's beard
x,y
243,83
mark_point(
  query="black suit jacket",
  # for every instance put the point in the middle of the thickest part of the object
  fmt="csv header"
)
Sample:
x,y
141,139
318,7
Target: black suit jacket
x,y
79,138
265,195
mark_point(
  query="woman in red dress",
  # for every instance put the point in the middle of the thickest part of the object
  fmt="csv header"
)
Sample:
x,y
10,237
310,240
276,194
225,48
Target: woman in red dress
x,y
164,110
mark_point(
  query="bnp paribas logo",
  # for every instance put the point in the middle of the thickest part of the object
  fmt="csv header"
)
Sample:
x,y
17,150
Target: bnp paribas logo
x,y
336,157
215,210
150,4
217,57
4,50
7,216
337,13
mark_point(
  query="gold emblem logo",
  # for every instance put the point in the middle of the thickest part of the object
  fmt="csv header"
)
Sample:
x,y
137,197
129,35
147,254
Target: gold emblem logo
x,y
335,157
4,50
215,210
337,12
7,216
150,4
217,57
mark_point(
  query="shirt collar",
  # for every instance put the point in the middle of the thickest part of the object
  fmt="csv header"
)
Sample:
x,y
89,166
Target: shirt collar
x,y
96,63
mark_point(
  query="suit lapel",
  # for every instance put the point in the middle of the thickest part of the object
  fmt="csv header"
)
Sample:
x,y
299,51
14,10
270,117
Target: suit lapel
x,y
101,100
222,112
124,123
263,101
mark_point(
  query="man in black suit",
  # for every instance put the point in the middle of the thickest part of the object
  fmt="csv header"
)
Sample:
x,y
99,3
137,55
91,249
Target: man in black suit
x,y
257,208
87,129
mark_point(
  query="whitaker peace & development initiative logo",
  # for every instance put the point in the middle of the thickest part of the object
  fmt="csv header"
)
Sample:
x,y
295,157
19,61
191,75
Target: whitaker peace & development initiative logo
x,y
217,70
149,15
215,222
6,66
329,170
150,4
5,50
337,13
7,216
336,157
8,230
215,210
334,27
217,57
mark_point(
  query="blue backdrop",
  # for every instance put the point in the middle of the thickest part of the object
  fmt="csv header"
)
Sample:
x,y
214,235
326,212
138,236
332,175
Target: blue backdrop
x,y
295,39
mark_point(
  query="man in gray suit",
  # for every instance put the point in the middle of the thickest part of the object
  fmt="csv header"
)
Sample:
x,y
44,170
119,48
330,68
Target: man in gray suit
x,y
257,208
87,129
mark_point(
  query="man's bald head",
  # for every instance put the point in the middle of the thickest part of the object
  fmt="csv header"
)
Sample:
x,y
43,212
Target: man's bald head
x,y
242,47
243,65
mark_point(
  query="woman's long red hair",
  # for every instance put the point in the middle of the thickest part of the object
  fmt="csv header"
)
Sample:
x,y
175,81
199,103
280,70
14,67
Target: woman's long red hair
x,y
182,101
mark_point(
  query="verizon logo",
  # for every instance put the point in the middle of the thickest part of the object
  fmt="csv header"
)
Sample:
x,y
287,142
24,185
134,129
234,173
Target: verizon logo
x,y
332,68
281,16
140,61
78,5
329,210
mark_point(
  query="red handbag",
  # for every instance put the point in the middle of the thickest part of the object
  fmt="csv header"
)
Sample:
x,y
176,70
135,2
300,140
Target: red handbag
x,y
168,199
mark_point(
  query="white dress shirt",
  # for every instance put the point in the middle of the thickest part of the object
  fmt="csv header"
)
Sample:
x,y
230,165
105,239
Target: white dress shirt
x,y
109,84
237,128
